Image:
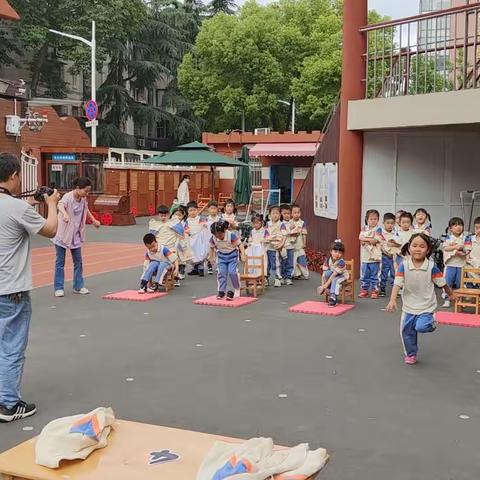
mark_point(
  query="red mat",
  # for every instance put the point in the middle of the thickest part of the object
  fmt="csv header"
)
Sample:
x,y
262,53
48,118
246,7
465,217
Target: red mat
x,y
458,319
320,308
134,296
235,303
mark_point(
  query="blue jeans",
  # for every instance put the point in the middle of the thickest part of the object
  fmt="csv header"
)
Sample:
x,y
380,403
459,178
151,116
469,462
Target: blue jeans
x,y
227,267
337,281
15,318
59,281
161,268
287,264
411,326
453,276
388,272
369,276
274,263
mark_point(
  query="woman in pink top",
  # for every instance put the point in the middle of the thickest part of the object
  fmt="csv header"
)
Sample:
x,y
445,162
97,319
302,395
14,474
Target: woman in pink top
x,y
72,216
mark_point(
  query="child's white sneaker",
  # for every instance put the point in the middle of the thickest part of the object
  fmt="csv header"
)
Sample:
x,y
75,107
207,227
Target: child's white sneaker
x,y
278,282
59,293
236,293
82,291
446,304
289,281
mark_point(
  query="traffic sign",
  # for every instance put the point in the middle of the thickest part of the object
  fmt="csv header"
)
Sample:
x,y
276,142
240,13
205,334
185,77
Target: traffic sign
x,y
92,123
91,109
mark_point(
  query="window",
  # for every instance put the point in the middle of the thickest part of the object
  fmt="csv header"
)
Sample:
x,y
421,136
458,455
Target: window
x,y
61,175
256,171
159,97
161,130
94,171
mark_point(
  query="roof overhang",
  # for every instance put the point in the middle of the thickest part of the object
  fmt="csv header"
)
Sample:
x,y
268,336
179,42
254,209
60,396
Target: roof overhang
x,y
284,150
7,12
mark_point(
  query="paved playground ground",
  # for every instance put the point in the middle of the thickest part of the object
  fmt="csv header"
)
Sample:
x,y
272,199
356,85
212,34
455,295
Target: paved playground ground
x,y
222,370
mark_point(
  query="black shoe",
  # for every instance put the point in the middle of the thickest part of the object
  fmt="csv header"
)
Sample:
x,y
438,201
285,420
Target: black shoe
x,y
201,273
332,300
19,411
177,282
220,295
230,296
193,272
382,293
210,271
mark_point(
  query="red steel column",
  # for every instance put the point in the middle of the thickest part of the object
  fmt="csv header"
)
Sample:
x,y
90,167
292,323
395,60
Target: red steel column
x,y
355,15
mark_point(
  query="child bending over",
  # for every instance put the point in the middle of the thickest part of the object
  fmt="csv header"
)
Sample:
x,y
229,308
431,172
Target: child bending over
x,y
334,273
159,260
417,276
227,245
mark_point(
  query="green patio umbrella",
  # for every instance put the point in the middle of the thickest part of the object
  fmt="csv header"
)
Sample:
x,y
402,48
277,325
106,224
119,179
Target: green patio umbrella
x,y
243,184
195,154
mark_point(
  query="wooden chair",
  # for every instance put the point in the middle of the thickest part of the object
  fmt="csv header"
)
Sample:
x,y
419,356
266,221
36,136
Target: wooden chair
x,y
169,280
348,287
254,275
468,297
222,198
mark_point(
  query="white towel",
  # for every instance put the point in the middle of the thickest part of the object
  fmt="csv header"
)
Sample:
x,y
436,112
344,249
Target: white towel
x,y
256,459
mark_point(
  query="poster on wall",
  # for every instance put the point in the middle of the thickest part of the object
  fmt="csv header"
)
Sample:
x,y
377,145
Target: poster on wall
x,y
325,190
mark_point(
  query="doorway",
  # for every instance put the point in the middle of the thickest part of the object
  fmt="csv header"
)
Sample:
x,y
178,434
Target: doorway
x,y
281,177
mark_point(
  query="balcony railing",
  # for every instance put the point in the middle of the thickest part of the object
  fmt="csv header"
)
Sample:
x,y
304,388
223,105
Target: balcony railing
x,y
433,52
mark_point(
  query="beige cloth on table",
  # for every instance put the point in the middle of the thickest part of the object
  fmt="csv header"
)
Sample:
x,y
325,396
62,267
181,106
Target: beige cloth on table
x,y
73,438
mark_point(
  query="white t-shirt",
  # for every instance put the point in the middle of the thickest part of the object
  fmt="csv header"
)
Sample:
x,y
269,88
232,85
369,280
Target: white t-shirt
x,y
18,220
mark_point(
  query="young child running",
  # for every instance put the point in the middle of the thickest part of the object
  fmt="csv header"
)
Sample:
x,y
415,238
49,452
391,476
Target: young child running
x,y
159,259
456,248
227,245
276,243
370,255
422,222
257,241
213,216
287,265
334,273
417,276
389,253
300,232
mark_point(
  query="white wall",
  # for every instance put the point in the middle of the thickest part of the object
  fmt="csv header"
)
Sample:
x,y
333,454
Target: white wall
x,y
410,169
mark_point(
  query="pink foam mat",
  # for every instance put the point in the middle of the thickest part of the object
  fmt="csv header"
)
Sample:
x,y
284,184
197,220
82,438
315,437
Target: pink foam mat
x,y
320,308
458,319
235,303
134,296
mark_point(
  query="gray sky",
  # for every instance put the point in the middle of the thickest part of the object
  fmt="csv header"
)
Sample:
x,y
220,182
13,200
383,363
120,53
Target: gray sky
x,y
395,8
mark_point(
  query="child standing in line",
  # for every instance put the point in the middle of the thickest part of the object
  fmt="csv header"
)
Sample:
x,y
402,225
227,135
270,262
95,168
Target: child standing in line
x,y
473,258
370,255
422,222
456,248
397,219
388,253
417,275
230,214
213,216
159,260
403,236
276,244
227,245
183,248
257,241
287,262
334,273
300,232
199,237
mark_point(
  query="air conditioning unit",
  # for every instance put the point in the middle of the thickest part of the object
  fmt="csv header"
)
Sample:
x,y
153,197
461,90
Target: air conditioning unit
x,y
12,125
262,131
141,142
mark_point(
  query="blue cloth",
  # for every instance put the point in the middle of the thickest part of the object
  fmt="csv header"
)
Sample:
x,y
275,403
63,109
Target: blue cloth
x,y
157,268
412,325
231,468
337,281
274,263
287,264
227,267
388,272
14,324
453,276
369,276
59,280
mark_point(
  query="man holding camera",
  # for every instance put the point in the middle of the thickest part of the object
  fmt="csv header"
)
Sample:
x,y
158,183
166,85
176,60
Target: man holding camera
x,y
18,220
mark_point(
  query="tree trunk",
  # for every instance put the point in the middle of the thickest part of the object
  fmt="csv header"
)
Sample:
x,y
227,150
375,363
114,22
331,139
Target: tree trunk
x,y
36,68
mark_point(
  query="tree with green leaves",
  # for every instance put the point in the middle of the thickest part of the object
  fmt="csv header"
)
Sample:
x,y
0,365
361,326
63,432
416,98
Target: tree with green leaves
x,y
222,6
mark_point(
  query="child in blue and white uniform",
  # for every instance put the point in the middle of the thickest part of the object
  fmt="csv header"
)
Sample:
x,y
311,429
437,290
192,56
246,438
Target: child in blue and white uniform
x,y
299,230
287,265
389,253
183,249
456,249
199,236
213,216
159,259
334,273
416,276
227,246
257,241
276,244
370,255
422,222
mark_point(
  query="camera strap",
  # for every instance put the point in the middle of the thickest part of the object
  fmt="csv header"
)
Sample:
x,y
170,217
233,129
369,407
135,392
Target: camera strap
x,y
5,191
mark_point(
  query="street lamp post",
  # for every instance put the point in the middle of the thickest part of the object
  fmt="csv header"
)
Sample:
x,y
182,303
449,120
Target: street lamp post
x,y
293,111
93,47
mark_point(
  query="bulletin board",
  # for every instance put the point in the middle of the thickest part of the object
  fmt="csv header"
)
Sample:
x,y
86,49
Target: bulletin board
x,y
325,190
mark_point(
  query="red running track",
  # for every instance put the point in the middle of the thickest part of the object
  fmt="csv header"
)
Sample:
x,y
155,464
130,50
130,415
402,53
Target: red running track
x,y
98,258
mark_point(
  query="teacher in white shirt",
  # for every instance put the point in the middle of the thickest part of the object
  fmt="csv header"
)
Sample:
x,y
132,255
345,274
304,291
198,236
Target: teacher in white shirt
x,y
183,194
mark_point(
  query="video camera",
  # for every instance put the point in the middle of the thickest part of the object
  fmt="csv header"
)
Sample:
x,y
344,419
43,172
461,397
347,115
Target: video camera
x,y
40,193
